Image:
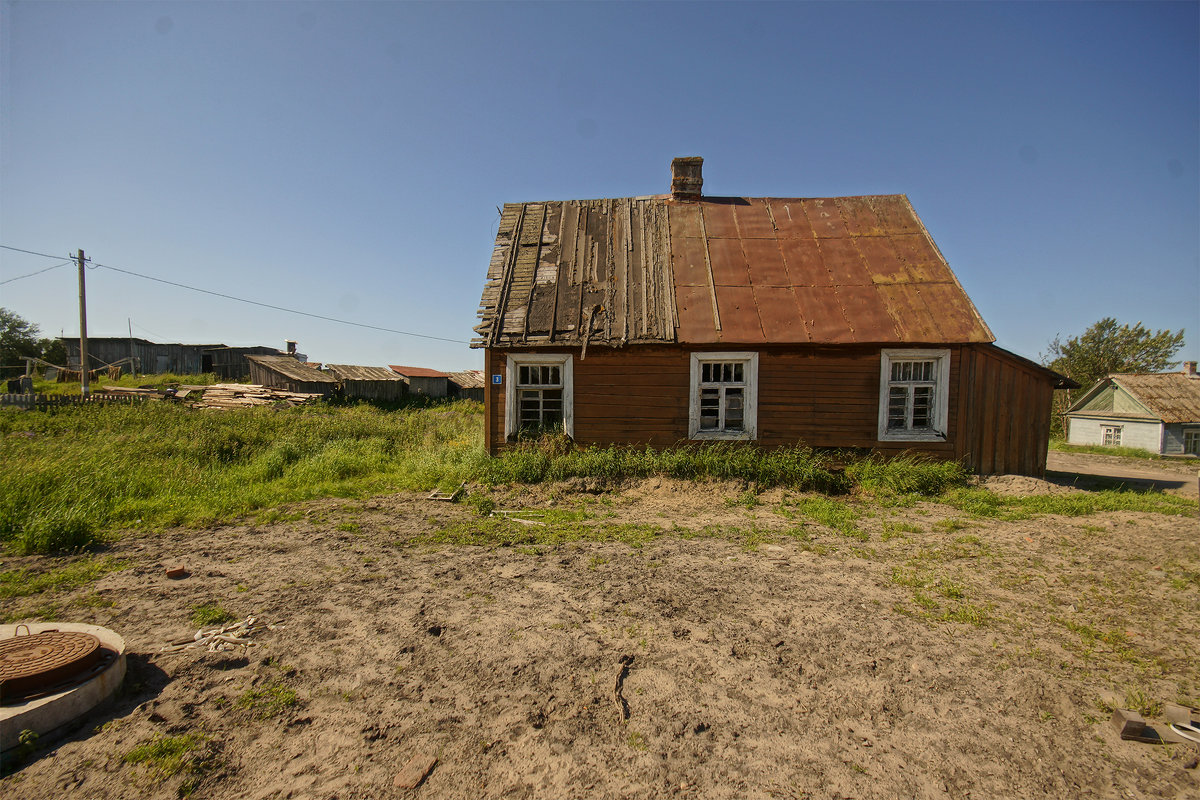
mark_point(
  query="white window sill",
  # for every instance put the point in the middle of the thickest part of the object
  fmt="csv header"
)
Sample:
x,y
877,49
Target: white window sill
x,y
913,436
727,436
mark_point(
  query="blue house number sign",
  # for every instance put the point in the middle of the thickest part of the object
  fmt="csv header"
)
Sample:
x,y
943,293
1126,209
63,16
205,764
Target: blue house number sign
x,y
497,379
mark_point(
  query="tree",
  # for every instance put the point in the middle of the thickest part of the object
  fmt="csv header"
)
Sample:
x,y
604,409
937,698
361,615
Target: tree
x,y
18,339
1107,347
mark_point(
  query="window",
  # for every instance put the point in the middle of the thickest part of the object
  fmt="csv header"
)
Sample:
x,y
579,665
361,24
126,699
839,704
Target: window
x,y
914,391
1191,441
538,395
1110,435
724,396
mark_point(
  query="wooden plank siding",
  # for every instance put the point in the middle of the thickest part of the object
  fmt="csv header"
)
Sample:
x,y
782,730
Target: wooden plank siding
x,y
820,396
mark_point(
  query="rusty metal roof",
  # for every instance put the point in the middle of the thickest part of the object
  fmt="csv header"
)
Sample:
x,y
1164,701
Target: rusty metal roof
x,y
731,270
417,372
291,368
1173,397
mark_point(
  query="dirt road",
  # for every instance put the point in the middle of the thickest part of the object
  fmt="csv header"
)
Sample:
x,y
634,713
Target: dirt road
x,y
1088,470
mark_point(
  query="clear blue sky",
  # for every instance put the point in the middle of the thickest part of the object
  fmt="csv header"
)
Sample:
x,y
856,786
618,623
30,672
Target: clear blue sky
x,y
347,159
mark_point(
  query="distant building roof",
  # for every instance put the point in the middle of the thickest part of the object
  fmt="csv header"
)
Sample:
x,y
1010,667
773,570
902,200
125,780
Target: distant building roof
x,y
1172,397
417,372
349,372
291,368
468,379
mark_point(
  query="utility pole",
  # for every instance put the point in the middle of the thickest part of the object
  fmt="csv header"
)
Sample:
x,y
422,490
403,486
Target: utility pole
x,y
83,353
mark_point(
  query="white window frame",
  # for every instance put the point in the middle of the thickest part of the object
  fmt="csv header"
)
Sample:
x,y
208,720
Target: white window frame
x,y
1114,434
1194,434
941,394
749,398
512,411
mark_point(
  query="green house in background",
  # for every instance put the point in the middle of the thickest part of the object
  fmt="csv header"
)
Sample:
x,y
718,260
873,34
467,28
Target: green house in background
x,y
1159,412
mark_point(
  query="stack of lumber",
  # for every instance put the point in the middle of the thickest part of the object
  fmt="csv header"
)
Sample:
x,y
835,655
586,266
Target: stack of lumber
x,y
219,395
242,395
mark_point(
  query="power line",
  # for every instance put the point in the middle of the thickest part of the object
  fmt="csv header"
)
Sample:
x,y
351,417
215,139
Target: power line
x,y
281,308
226,296
31,274
30,252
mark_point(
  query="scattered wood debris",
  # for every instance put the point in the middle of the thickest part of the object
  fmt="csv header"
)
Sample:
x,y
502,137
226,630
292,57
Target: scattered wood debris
x,y
227,637
217,396
438,494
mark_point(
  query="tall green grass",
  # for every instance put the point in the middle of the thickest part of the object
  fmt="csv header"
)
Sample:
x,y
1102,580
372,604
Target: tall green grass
x,y
553,460
74,473
127,380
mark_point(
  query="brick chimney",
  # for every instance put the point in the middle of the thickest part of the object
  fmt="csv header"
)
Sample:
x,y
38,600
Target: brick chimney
x,y
1189,369
686,179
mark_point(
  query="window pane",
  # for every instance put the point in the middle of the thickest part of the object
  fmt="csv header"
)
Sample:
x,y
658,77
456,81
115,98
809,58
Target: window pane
x,y
706,373
710,409
922,412
897,408
523,375
737,373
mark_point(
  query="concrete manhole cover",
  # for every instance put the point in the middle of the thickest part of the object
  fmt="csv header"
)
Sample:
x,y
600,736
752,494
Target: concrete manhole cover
x,y
30,664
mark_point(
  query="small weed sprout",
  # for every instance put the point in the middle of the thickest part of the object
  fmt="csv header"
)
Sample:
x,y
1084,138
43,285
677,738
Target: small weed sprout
x,y
208,614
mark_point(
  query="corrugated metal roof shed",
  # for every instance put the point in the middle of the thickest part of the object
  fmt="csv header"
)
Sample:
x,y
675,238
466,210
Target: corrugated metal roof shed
x,y
1172,396
350,372
292,369
721,270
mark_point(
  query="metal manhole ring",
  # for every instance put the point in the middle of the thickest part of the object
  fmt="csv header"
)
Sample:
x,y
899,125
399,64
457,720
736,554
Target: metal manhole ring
x,y
42,660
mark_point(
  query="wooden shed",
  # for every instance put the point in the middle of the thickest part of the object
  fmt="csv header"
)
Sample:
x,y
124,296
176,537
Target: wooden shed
x,y
285,372
422,380
829,322
368,383
467,384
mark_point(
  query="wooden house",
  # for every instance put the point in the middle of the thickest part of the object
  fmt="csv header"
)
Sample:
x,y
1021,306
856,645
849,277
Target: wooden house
x,y
285,372
422,380
467,384
368,383
230,364
829,322
150,358
1158,412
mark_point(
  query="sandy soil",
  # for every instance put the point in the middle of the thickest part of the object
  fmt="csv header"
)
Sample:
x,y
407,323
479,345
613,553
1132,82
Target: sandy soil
x,y
742,654
1090,470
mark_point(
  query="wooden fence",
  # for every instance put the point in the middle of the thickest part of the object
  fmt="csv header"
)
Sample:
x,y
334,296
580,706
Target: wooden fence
x,y
42,402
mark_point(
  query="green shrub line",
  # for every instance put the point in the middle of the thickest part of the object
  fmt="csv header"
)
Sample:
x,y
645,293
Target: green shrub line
x,y
76,475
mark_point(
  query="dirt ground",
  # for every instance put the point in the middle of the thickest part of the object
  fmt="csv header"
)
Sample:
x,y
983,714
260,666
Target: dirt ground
x,y
1178,476
747,652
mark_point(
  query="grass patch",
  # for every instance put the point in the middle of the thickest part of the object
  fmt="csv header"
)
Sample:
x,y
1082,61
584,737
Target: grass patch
x,y
208,614
268,701
834,514
1122,452
75,473
23,583
906,475
554,459
980,502
164,757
